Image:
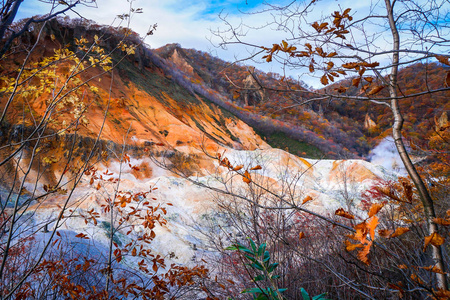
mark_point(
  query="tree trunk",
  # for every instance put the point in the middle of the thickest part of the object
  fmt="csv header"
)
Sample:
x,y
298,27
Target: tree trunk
x,y
424,195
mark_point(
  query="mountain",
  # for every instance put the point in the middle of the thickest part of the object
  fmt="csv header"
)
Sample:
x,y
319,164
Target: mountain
x,y
101,135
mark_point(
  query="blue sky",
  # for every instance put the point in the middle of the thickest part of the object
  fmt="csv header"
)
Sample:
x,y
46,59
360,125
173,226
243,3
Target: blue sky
x,y
187,22
190,23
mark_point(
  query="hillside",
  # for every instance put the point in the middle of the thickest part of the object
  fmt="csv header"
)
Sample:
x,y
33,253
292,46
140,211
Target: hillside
x,y
127,172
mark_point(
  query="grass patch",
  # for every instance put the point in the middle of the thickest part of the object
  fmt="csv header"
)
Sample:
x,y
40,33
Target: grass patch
x,y
281,141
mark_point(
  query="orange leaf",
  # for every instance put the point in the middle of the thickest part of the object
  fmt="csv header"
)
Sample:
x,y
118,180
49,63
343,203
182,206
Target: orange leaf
x,y
342,213
247,177
441,221
258,167
133,252
433,269
375,208
364,252
403,267
434,239
399,231
371,225
368,79
155,267
238,168
307,198
350,246
301,235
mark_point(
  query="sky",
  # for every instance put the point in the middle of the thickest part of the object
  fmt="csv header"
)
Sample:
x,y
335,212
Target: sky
x,y
187,22
191,23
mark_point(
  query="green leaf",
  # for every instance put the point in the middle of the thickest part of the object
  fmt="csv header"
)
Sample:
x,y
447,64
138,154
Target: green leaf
x,y
266,256
275,276
250,258
257,265
259,278
282,290
320,297
232,248
252,243
272,267
305,294
252,291
245,249
262,249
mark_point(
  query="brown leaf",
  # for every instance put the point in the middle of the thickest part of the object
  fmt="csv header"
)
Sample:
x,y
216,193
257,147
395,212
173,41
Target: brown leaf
x,y
330,65
375,208
307,198
324,80
447,79
361,71
434,239
258,167
376,90
385,233
355,81
399,231
332,54
301,235
443,59
368,79
342,213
